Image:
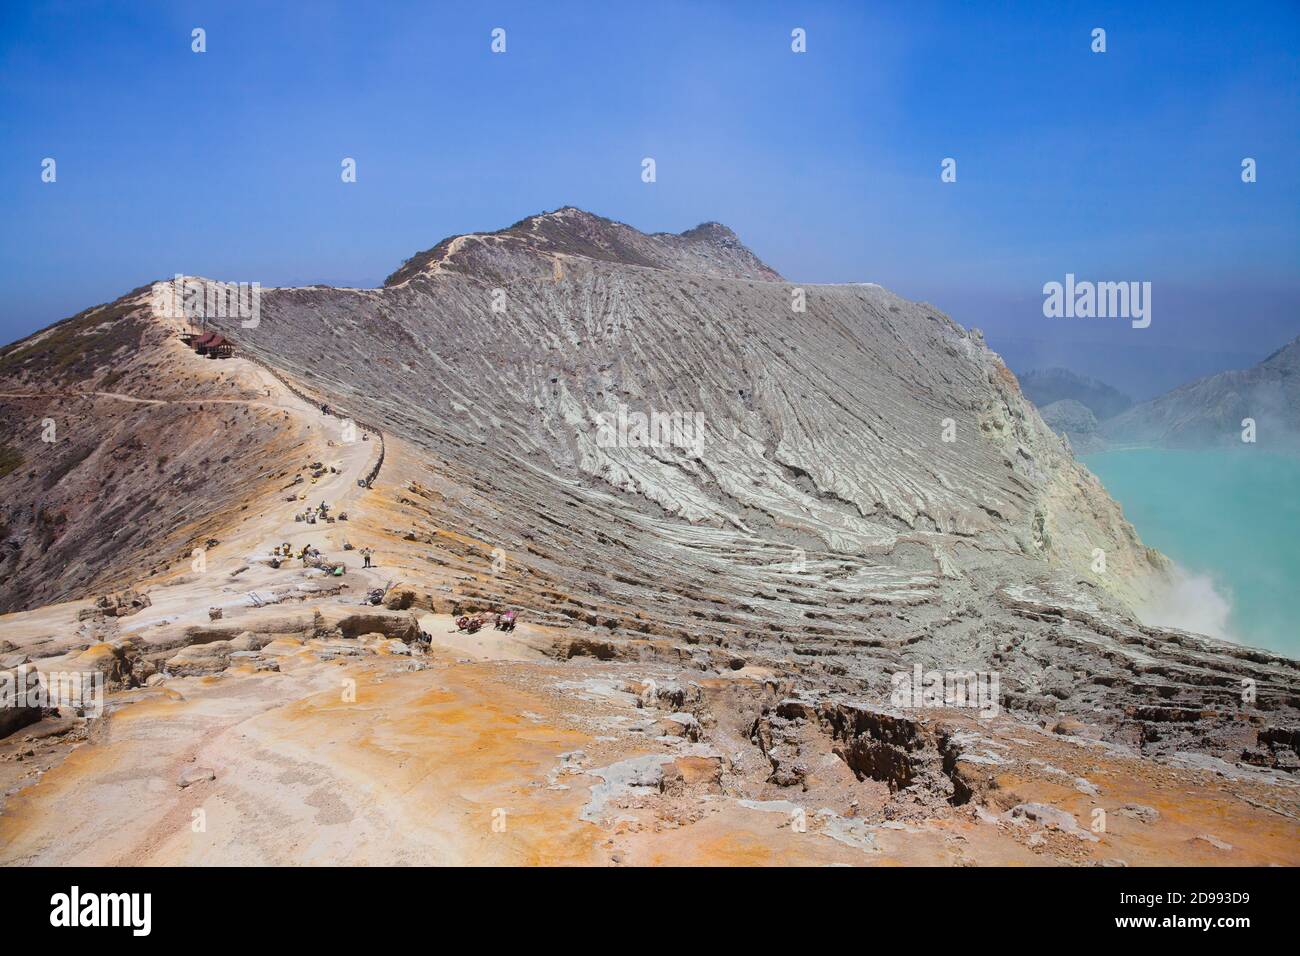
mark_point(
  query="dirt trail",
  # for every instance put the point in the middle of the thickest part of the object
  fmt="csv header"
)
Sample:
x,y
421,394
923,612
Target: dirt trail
x,y
142,401
412,772
235,568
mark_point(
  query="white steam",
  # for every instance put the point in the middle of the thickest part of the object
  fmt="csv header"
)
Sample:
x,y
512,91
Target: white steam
x,y
1191,603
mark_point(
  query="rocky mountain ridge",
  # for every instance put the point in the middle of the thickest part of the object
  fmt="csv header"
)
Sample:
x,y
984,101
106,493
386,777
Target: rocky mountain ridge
x,y
1211,410
728,526
1044,387
547,239
848,484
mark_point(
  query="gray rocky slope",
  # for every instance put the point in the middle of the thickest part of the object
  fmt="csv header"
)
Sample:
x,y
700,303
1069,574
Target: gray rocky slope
x,y
1210,410
822,526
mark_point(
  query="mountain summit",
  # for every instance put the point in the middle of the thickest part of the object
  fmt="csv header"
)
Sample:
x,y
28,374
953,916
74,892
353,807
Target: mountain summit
x,y
1211,410
539,244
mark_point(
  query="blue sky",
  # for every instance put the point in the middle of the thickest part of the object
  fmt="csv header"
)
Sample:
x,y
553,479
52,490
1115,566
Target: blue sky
x,y
1116,166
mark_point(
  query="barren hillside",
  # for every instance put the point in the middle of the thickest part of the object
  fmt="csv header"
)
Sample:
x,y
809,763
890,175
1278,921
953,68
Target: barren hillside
x,y
123,457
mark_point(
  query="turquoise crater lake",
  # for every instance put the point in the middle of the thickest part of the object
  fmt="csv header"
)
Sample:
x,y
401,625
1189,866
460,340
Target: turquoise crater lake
x,y
1229,516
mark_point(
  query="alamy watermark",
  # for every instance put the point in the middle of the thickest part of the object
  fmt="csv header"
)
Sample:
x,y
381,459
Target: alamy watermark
x,y
975,690
200,299
130,910
27,687
1100,300
628,429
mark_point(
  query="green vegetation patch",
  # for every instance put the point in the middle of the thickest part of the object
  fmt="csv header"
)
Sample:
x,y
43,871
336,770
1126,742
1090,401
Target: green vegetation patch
x,y
10,458
79,346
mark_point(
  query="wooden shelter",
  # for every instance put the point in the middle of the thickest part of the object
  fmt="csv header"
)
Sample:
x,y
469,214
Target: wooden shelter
x,y
213,345
220,347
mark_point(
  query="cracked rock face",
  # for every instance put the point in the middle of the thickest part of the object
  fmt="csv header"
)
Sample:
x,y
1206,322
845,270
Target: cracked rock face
x,y
838,492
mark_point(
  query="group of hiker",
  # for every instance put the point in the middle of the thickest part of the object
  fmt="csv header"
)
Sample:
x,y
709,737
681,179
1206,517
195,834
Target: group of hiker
x,y
311,557
320,513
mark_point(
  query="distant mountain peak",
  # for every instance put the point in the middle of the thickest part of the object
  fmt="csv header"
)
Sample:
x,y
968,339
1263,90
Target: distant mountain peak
x,y
711,232
1288,356
1047,386
1213,410
531,246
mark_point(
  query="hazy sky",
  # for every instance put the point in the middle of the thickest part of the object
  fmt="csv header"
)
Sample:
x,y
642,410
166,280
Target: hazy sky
x,y
1123,165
